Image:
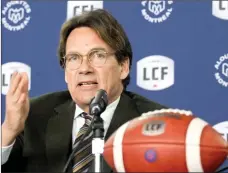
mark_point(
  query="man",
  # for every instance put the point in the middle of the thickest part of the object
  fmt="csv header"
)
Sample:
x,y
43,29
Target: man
x,y
38,135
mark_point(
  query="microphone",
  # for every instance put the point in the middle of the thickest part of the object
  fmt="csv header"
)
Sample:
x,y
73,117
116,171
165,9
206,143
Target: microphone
x,y
98,103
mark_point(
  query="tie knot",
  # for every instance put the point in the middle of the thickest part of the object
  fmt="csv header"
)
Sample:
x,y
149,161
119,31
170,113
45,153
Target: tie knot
x,y
88,118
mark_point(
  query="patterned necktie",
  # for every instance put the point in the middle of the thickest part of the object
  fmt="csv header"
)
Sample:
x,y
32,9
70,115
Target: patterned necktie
x,y
83,157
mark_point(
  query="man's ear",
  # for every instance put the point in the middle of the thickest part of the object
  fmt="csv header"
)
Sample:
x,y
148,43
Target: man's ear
x,y
124,68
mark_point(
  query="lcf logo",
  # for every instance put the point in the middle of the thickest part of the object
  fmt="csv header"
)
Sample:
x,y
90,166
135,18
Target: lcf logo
x,y
7,71
155,72
220,9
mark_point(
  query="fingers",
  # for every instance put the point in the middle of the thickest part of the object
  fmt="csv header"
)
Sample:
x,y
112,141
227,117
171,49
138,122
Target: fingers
x,y
26,83
14,81
22,98
19,85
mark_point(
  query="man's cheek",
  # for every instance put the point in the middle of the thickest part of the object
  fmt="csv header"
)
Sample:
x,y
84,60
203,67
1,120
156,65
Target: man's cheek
x,y
103,82
72,79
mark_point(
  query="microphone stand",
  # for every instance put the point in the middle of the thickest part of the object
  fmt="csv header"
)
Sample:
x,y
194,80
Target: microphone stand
x,y
97,106
98,143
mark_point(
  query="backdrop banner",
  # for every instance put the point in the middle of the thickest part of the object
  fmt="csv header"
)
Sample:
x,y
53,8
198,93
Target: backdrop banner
x,y
180,50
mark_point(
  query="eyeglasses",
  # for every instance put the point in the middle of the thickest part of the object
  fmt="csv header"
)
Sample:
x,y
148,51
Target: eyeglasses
x,y
96,58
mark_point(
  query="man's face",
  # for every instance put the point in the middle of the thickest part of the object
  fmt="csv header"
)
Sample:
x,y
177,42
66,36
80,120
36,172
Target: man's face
x,y
84,81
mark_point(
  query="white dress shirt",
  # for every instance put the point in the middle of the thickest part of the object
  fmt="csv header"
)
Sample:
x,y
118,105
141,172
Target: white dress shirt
x,y
77,124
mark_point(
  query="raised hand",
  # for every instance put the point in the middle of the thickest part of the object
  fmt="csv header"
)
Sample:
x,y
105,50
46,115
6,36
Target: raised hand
x,y
17,107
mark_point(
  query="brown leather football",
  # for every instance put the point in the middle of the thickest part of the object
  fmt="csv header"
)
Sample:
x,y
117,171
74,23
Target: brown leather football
x,y
167,140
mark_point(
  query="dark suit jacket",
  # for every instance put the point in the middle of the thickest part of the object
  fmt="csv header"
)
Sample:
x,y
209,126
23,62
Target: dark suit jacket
x,y
46,142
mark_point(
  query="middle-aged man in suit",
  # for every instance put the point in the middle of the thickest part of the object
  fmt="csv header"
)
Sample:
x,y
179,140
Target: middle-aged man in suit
x,y
38,134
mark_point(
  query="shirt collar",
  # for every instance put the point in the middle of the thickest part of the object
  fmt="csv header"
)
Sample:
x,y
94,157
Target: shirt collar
x,y
108,113
78,111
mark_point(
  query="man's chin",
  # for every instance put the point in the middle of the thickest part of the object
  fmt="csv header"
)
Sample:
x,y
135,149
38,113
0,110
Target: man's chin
x,y
86,100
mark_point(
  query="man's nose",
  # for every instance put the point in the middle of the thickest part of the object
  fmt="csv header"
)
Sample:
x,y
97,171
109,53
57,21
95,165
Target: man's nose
x,y
85,66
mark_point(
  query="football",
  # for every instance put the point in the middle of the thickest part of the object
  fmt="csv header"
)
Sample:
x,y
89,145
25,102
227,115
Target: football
x,y
167,140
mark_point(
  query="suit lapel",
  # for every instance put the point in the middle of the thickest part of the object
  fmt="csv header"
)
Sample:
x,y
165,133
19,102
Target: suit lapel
x,y
59,130
59,135
125,111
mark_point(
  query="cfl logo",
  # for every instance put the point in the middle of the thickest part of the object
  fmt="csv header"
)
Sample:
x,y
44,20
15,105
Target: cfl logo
x,y
75,8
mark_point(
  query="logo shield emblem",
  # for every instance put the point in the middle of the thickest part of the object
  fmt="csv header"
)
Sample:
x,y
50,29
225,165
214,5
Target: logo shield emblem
x,y
156,11
156,7
15,15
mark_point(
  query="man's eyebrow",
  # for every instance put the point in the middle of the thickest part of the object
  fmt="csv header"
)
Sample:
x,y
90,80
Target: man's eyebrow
x,y
98,48
95,48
